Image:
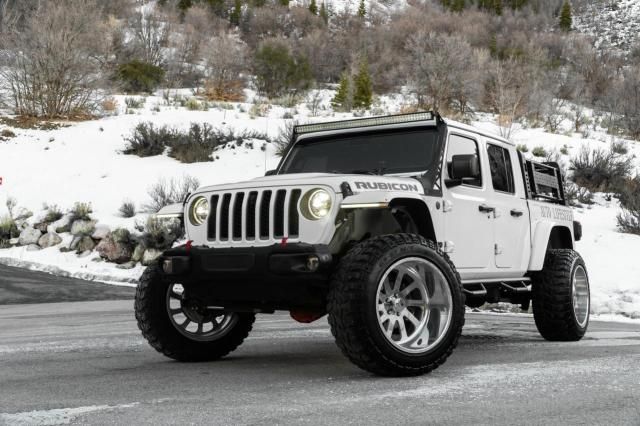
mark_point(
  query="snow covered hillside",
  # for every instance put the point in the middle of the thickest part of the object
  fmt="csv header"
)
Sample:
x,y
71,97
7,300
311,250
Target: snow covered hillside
x,y
613,23
83,162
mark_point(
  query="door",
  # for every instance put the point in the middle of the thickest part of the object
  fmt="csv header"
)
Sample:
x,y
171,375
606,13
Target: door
x,y
511,215
468,229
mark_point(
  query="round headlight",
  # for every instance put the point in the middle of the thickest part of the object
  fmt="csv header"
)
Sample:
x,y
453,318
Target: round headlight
x,y
318,203
199,211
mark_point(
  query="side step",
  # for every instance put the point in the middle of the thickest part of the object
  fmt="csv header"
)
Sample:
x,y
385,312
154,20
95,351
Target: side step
x,y
492,291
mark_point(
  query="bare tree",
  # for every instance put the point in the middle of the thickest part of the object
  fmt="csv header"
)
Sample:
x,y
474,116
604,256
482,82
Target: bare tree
x,y
226,60
442,70
506,93
52,67
150,34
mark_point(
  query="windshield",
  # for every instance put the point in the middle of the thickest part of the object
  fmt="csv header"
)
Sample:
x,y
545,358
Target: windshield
x,y
393,152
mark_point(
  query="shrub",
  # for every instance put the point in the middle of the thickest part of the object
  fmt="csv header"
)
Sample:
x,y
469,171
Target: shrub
x,y
164,193
7,133
629,218
522,148
195,105
147,140
81,211
196,145
127,209
601,171
110,105
564,150
138,76
53,214
161,234
8,230
134,103
619,147
539,151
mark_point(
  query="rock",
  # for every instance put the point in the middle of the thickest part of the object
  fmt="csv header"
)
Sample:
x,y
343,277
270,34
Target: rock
x,y
114,251
65,249
14,241
49,239
85,253
61,225
42,227
150,256
85,244
74,243
97,259
29,236
138,253
33,247
128,265
100,232
82,227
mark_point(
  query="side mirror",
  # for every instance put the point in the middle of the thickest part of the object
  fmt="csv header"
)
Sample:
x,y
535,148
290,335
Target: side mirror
x,y
271,172
463,167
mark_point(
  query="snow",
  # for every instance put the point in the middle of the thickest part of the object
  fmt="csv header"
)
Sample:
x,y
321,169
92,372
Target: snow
x,y
57,416
612,23
83,162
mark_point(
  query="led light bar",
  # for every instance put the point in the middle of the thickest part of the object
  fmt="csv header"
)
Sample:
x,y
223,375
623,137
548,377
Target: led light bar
x,y
364,122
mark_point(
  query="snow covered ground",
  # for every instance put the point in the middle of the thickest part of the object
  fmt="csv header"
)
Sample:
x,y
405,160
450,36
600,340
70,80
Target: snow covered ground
x,y
83,163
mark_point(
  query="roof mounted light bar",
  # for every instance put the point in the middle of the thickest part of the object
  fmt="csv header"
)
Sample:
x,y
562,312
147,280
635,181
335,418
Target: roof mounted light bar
x,y
364,122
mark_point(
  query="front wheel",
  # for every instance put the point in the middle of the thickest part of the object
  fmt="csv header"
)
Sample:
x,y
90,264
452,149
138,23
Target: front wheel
x,y
396,306
183,328
561,297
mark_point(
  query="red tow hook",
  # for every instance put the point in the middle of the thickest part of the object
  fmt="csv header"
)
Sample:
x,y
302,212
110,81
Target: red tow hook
x,y
187,246
306,317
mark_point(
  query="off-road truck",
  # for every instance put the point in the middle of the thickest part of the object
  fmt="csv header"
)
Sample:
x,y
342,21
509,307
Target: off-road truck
x,y
389,225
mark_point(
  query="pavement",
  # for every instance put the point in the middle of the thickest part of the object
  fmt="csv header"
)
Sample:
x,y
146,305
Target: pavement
x,y
86,363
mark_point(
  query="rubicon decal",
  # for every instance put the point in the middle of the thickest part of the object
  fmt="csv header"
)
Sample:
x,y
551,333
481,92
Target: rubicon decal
x,y
387,186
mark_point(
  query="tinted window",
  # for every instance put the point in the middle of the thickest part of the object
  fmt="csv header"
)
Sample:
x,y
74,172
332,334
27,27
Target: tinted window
x,y
459,145
403,151
501,170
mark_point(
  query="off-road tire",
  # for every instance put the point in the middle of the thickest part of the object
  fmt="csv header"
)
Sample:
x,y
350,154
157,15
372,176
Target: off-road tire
x,y
552,297
153,321
353,321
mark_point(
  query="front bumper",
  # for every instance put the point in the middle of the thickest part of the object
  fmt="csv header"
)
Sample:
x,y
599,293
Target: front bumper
x,y
291,276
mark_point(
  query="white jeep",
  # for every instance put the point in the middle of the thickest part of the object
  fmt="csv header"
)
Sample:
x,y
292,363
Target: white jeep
x,y
389,225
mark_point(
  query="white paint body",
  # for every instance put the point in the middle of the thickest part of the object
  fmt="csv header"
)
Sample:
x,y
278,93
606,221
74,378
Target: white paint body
x,y
483,246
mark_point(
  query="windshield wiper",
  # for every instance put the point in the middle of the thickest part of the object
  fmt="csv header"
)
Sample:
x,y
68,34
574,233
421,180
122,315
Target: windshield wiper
x,y
362,172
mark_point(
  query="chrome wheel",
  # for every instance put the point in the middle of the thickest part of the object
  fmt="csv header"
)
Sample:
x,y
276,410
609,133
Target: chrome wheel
x,y
414,305
580,293
195,320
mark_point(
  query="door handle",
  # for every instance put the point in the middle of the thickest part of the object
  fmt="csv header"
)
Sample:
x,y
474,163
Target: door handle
x,y
486,209
516,213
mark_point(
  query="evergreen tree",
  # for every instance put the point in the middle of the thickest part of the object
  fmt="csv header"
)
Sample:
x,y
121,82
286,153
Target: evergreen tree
x,y
342,100
324,13
362,10
458,5
259,3
313,7
236,13
183,5
363,92
497,7
284,2
565,17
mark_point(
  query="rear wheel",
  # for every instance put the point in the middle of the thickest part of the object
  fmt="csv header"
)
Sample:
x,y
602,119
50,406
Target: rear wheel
x,y
395,305
561,296
183,328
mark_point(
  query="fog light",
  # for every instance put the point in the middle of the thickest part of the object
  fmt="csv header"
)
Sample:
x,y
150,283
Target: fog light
x,y
313,262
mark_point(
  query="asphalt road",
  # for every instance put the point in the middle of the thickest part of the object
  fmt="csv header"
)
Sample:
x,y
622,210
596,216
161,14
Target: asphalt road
x,y
19,285
86,363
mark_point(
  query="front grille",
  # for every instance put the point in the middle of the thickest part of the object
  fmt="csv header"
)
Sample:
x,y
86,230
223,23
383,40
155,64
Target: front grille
x,y
254,215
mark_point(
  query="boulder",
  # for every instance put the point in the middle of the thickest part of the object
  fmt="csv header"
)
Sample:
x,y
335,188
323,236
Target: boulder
x,y
150,256
84,244
14,241
49,239
42,227
61,225
74,243
33,247
83,227
138,252
29,236
127,265
114,251
100,232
